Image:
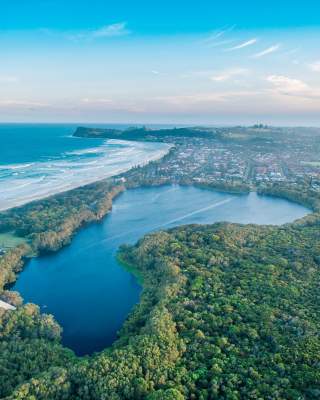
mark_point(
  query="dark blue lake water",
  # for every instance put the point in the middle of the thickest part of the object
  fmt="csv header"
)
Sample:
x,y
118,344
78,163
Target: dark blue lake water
x,y
85,288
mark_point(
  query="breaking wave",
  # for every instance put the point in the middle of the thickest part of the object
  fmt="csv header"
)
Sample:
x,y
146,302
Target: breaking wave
x,y
22,183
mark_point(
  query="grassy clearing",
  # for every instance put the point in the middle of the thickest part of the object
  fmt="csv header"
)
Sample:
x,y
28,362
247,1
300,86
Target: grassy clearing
x,y
9,240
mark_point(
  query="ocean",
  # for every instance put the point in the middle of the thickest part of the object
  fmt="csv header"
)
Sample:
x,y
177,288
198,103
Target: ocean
x,y
40,160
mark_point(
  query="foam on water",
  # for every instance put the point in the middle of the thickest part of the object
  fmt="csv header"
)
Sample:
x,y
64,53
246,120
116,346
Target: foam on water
x,y
25,182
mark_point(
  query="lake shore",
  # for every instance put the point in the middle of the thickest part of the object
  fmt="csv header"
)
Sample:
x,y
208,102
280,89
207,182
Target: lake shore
x,y
91,277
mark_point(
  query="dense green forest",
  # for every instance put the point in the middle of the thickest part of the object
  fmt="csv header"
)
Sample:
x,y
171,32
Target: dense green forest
x,y
227,311
303,194
49,223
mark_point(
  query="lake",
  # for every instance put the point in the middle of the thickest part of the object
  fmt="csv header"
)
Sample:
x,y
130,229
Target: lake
x,y
84,286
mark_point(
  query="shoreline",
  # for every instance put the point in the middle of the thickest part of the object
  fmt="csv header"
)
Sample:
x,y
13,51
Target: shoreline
x,y
123,263
72,186
132,269
96,199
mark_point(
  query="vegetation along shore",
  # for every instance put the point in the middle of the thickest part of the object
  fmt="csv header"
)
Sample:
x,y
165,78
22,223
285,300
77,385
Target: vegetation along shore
x,y
228,311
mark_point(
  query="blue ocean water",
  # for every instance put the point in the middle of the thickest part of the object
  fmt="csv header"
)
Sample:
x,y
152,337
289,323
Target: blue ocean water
x,y
40,160
24,143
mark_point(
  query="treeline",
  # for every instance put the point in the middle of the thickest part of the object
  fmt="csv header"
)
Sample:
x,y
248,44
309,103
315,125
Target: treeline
x,y
227,312
302,194
229,187
49,224
11,263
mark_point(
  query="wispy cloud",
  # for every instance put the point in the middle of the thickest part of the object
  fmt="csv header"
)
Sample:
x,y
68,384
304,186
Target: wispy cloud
x,y
267,51
287,84
216,35
118,29
108,31
243,45
228,74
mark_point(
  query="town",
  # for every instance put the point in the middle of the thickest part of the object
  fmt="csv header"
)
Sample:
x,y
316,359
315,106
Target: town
x,y
241,157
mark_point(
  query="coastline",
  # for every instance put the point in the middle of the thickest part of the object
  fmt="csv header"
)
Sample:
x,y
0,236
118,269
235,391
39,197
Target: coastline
x,y
95,203
161,285
69,186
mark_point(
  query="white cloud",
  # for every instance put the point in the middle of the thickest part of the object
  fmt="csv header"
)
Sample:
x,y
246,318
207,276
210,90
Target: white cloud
x,y
315,66
267,51
228,74
213,37
118,29
286,84
108,31
243,45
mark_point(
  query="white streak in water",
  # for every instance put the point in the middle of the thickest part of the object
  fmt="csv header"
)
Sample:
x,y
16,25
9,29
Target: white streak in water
x,y
155,227
201,210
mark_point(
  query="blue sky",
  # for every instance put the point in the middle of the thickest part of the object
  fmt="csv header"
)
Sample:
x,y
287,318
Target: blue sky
x,y
203,62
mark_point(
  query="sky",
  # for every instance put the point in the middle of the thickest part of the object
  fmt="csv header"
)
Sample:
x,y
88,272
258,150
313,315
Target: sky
x,y
176,62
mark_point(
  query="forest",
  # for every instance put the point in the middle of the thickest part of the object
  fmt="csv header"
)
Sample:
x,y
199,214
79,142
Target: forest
x,y
227,311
